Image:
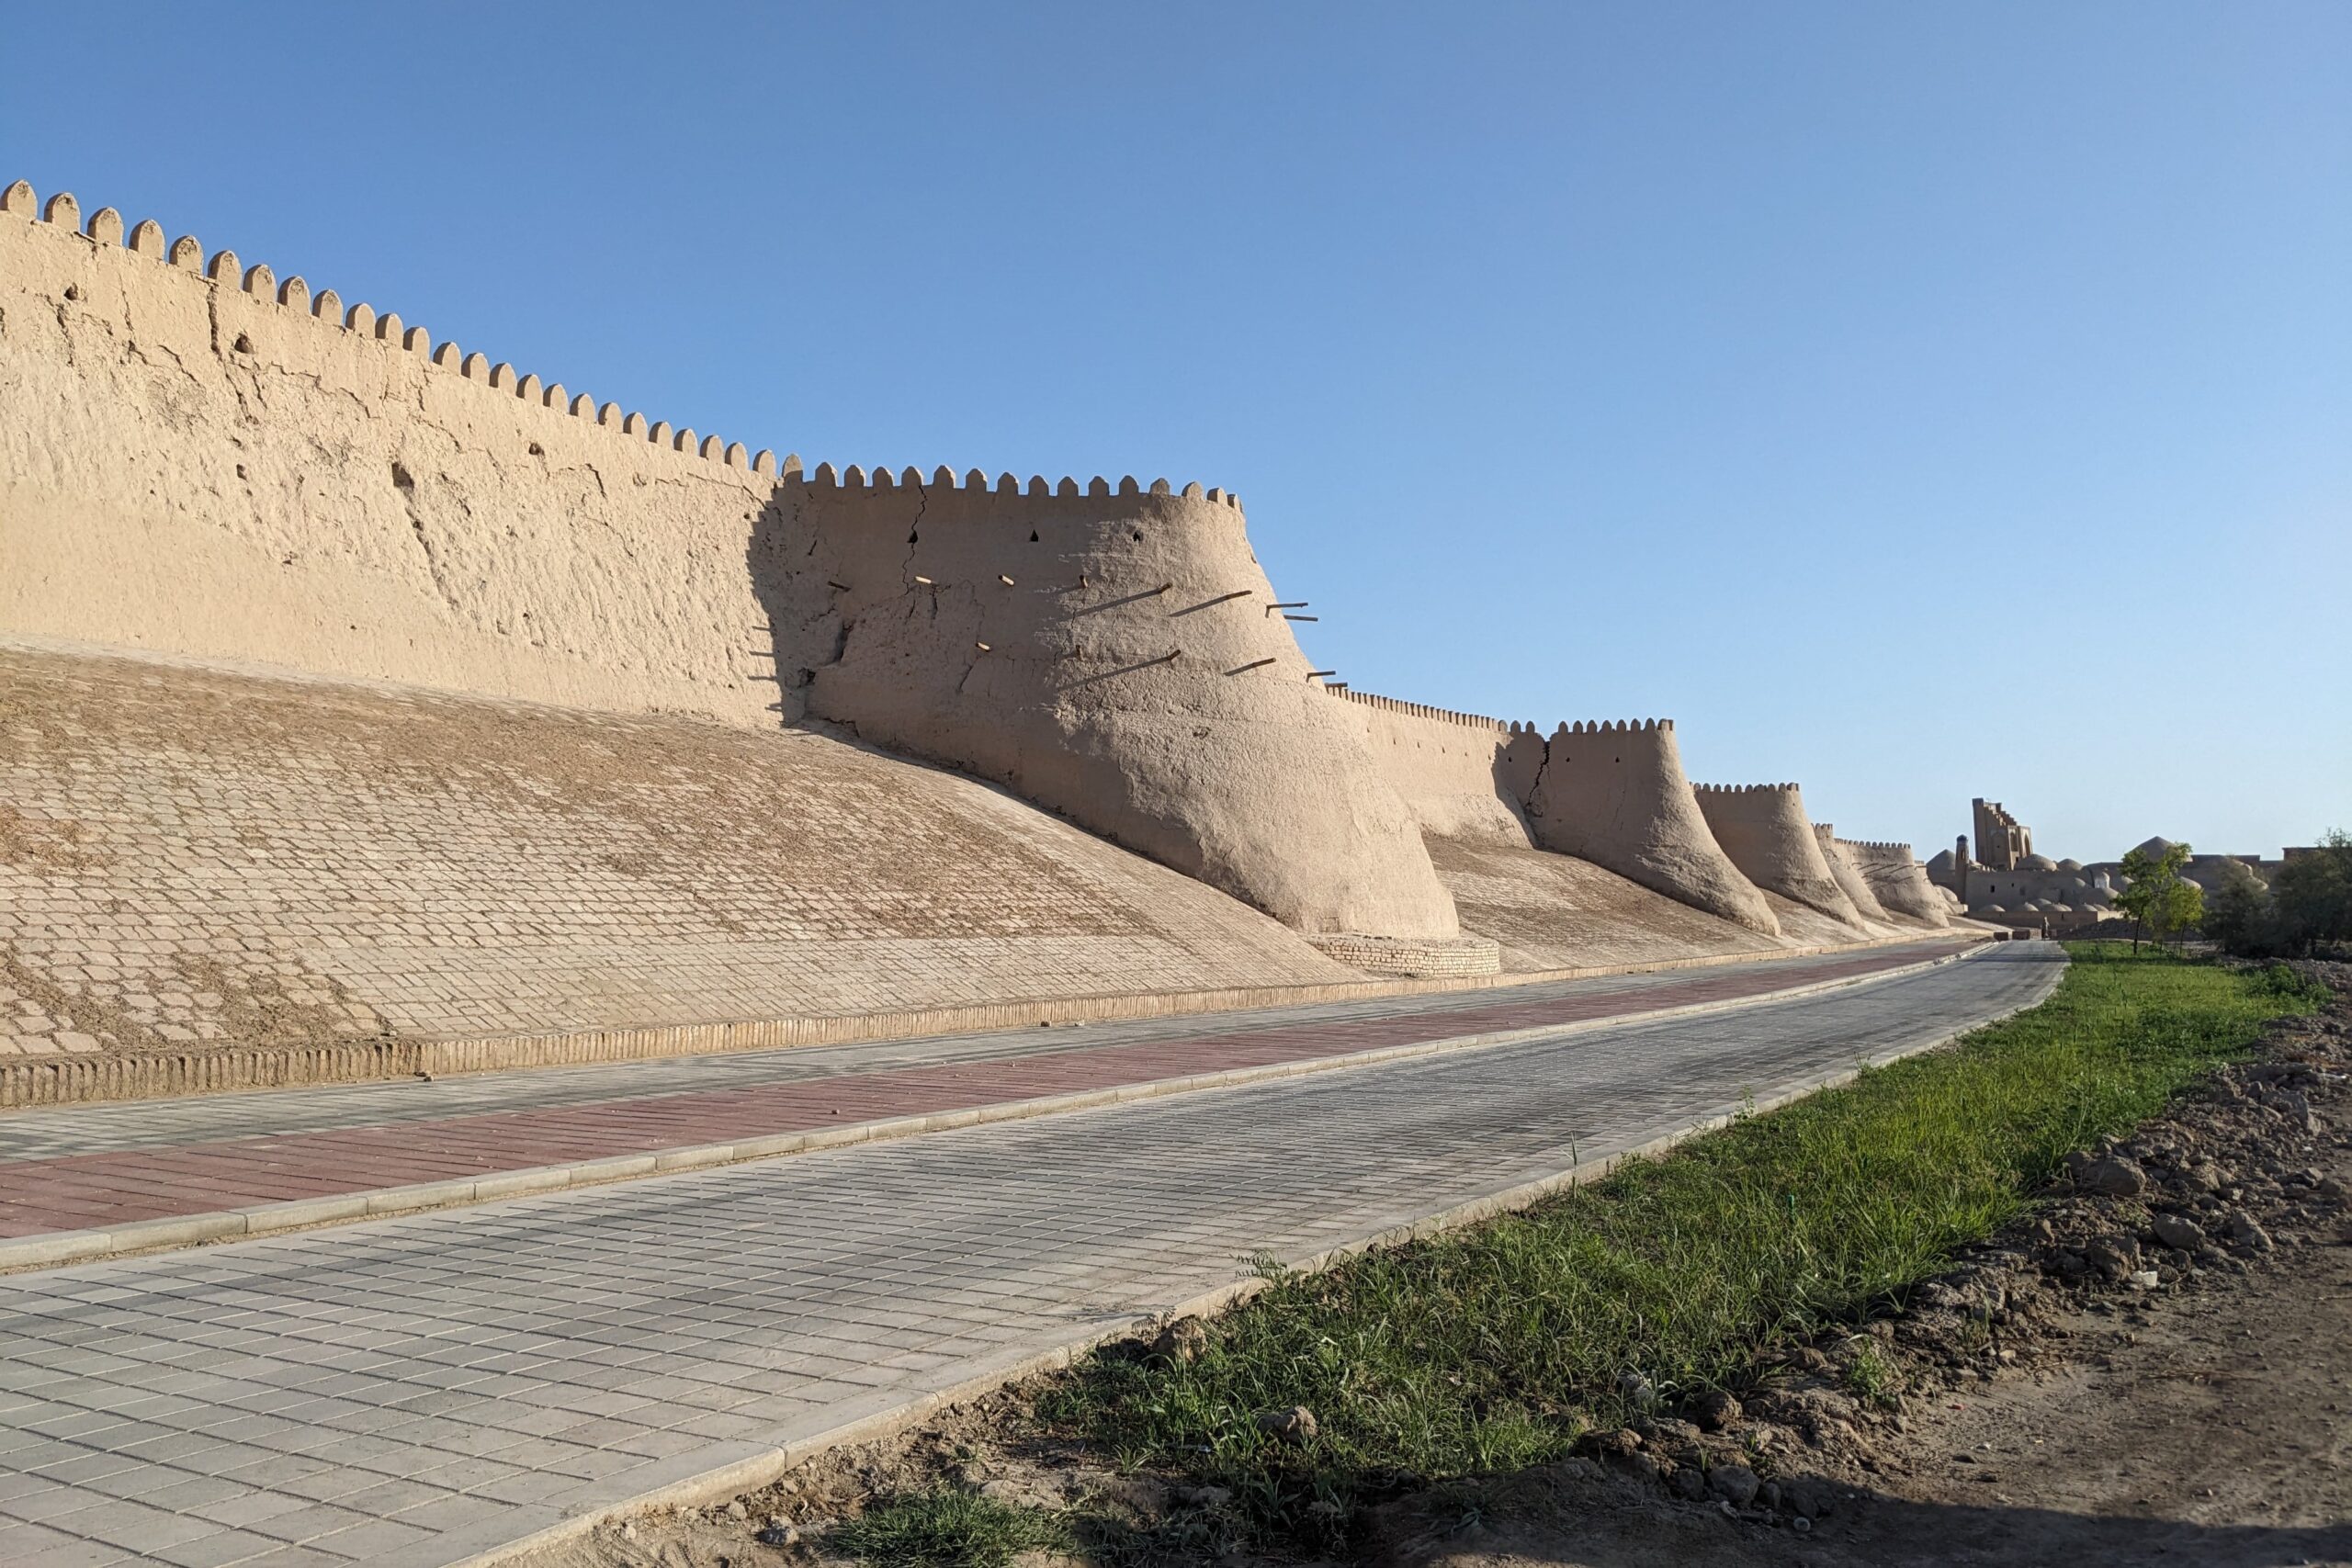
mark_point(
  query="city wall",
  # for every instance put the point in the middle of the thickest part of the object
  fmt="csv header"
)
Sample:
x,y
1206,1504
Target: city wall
x,y
200,459
1898,881
1849,875
1612,794
203,458
1462,775
1616,794
1764,830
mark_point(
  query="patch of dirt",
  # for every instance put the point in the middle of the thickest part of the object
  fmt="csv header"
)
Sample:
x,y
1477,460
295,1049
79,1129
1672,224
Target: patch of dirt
x,y
2094,1387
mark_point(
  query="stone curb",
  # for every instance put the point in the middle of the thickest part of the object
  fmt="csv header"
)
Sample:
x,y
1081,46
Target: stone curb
x,y
107,1079
746,1466
55,1247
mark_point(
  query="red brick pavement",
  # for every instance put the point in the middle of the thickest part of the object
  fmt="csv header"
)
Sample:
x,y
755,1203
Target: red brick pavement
x,y
85,1191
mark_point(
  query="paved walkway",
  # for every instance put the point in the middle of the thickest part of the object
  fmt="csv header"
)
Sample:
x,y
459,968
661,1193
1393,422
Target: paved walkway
x,y
411,1392
89,1167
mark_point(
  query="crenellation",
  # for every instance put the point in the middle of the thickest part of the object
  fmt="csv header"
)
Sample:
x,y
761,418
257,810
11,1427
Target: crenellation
x,y
224,269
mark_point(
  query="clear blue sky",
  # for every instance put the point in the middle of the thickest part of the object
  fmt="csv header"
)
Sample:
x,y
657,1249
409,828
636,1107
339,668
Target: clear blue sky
x,y
1916,402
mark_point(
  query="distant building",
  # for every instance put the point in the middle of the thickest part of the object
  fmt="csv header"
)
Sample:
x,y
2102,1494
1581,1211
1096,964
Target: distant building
x,y
2005,882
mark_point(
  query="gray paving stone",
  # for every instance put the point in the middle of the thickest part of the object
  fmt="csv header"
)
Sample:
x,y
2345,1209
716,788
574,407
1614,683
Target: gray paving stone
x,y
753,1304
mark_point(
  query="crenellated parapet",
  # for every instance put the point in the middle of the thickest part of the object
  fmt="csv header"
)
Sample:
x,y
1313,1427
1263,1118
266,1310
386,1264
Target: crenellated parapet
x,y
1764,829
224,274
1032,499
1422,710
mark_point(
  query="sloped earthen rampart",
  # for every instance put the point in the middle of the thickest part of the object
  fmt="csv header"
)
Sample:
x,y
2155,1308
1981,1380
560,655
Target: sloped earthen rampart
x,y
1764,829
1899,880
201,459
1851,880
1616,794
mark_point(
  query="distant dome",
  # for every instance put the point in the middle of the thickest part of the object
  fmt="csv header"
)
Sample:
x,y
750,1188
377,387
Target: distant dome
x,y
1990,910
1943,861
2155,847
2057,908
2039,863
2070,863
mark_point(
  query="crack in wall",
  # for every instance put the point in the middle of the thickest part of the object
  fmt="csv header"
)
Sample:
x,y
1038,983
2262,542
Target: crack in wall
x,y
405,482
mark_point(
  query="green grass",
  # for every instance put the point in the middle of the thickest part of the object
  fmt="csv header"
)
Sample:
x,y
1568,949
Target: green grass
x,y
1494,1347
946,1528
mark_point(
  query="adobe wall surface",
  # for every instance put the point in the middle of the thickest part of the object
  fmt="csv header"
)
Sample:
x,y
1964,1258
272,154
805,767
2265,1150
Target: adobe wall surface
x,y
1899,882
1461,775
1616,794
200,459
329,500
1764,829
194,860
1112,655
1467,777
1849,878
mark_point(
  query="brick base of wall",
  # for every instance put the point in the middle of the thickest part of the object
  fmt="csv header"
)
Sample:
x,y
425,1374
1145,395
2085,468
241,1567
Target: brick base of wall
x,y
1460,957
72,1081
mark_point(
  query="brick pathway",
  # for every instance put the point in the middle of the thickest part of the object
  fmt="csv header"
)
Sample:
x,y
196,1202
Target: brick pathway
x,y
411,1392
75,1169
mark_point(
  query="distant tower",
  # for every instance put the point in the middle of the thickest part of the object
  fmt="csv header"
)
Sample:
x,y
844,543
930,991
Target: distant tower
x,y
1959,867
2001,840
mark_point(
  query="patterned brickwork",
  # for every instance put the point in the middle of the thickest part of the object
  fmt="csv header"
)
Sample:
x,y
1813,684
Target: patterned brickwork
x,y
194,860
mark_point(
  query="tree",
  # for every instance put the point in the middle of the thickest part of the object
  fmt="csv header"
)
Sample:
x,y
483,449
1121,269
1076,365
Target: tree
x,y
2241,916
2158,898
2313,894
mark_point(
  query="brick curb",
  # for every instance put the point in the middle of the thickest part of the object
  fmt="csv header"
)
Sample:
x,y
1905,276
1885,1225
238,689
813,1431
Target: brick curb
x,y
53,1249
723,1470
86,1080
